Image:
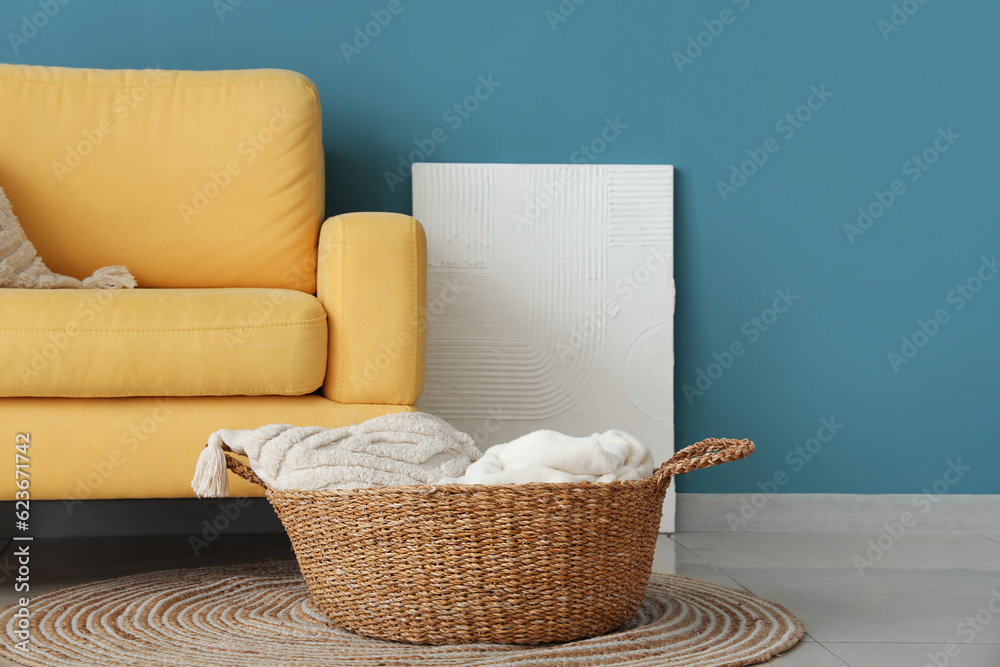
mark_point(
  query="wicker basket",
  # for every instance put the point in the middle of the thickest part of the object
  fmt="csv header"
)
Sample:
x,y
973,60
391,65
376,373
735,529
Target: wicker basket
x,y
451,564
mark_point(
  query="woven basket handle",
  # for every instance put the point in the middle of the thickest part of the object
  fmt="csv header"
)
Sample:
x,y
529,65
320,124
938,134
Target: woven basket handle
x,y
708,452
242,469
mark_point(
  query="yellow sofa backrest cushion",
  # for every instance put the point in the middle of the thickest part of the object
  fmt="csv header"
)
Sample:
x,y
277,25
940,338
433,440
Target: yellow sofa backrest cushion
x,y
191,179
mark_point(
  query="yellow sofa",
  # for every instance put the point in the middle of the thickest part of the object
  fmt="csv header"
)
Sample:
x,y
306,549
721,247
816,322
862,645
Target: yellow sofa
x,y
250,310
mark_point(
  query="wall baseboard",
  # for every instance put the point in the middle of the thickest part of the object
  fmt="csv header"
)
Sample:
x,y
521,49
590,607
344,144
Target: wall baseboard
x,y
205,519
832,512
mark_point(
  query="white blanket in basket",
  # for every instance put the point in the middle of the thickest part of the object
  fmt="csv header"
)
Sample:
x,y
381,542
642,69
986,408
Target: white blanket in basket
x,y
549,456
391,450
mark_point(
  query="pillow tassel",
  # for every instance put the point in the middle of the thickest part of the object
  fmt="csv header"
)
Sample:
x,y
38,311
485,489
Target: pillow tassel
x,y
110,277
211,477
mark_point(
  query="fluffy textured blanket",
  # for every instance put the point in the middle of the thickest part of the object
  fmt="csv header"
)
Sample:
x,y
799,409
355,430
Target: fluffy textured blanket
x,y
548,456
20,265
394,449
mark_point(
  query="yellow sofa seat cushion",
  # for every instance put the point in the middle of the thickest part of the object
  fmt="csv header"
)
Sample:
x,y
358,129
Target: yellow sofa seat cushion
x,y
161,342
190,179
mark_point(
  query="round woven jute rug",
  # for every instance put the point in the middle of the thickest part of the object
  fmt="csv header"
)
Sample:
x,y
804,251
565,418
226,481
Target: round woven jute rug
x,y
261,615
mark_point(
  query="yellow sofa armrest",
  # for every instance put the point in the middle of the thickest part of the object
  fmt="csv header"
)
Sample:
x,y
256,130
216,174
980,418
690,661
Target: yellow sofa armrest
x,y
372,280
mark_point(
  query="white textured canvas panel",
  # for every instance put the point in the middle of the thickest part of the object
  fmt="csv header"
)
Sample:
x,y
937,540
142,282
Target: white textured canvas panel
x,y
550,299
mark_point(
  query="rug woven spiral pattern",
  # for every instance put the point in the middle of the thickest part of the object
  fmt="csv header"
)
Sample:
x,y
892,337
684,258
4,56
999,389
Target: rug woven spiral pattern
x,y
262,615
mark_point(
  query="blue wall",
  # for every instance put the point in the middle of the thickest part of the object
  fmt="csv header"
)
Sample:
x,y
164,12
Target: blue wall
x,y
890,93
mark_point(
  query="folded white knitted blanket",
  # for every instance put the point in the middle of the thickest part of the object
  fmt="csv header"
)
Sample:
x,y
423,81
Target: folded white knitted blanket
x,y
549,456
394,449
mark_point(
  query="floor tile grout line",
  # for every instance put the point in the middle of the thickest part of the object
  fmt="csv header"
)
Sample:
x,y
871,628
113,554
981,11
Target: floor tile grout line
x,y
837,657
713,566
709,563
907,643
744,587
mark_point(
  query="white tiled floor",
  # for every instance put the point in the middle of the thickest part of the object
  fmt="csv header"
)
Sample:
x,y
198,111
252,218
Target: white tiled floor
x,y
903,611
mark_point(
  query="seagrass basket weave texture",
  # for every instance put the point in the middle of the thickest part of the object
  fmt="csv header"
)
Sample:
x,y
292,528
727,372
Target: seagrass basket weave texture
x,y
456,564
